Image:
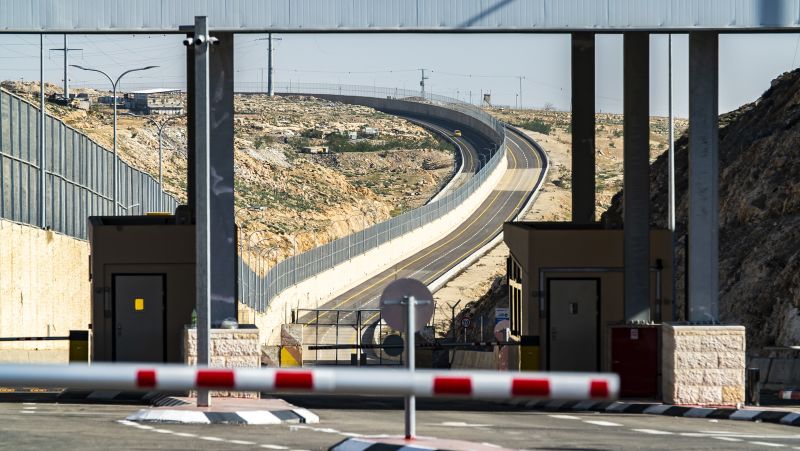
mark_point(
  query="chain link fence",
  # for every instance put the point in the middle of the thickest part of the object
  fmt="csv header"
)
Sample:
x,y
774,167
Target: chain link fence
x,y
72,182
257,291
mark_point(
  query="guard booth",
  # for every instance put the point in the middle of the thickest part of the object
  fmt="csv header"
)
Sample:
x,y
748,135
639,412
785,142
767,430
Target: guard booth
x,y
566,300
143,287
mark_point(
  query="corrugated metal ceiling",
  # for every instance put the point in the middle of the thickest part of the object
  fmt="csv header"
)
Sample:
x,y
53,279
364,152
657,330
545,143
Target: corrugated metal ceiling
x,y
165,16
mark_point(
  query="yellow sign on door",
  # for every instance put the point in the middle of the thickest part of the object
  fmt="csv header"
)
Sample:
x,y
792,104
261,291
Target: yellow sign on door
x,y
138,304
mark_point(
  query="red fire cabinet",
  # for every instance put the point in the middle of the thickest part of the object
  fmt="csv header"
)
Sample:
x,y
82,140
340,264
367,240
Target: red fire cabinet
x,y
635,356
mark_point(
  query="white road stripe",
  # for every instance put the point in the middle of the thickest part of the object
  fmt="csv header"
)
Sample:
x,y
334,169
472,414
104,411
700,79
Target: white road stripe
x,y
241,442
268,446
728,439
773,445
211,439
601,423
652,431
565,417
185,434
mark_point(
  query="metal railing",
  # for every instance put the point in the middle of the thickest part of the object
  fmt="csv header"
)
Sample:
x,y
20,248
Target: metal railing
x,y
77,174
257,291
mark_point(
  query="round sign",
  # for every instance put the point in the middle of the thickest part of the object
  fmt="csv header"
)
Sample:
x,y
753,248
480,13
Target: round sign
x,y
500,330
466,321
394,345
393,303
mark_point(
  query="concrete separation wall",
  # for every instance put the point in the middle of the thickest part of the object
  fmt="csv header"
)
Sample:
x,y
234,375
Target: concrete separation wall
x,y
44,291
325,286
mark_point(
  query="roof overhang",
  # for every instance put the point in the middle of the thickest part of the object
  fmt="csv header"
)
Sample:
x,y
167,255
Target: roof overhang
x,y
398,16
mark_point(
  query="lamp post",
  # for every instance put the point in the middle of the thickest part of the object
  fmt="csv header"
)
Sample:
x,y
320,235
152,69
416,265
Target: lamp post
x,y
160,126
114,85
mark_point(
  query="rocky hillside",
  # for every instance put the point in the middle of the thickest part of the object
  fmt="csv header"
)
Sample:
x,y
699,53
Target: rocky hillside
x,y
288,200
759,214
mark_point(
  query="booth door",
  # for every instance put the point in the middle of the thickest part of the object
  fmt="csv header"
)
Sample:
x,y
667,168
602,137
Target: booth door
x,y
139,318
572,317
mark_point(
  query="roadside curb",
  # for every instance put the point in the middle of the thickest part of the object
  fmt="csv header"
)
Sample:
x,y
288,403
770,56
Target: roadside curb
x,y
417,444
784,417
255,417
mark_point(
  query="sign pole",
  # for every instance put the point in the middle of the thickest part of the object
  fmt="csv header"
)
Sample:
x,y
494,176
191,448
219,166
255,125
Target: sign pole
x,y
411,402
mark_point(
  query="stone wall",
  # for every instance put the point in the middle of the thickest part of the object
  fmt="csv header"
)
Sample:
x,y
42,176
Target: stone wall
x,y
703,365
44,291
230,348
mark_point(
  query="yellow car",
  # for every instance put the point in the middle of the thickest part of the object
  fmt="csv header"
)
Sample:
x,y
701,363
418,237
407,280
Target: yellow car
x,y
456,133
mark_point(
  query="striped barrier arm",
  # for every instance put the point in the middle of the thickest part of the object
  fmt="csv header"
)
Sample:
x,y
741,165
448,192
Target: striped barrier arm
x,y
387,382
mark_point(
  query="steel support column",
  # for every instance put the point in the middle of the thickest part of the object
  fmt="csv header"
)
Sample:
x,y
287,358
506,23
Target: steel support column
x,y
221,221
703,271
203,194
636,186
583,125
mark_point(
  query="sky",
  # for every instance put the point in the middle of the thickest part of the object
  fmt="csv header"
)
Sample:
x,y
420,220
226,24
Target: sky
x,y
463,65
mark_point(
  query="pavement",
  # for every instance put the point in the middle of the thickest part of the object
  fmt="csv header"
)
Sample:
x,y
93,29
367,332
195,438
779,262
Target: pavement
x,y
80,426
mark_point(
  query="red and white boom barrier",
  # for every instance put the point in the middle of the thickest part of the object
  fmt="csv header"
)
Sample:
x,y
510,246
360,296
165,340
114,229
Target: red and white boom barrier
x,y
392,382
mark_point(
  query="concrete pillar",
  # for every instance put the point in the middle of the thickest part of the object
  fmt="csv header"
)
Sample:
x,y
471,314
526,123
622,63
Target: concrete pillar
x,y
703,270
223,228
583,128
636,183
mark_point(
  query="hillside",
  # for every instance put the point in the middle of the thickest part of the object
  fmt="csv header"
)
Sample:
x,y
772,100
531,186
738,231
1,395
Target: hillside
x,y
759,214
288,201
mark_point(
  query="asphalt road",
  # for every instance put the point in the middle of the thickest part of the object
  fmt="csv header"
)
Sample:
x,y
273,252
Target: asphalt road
x,y
80,426
503,204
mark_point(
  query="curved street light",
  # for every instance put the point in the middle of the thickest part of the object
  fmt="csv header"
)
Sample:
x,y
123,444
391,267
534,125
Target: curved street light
x,y
114,84
160,126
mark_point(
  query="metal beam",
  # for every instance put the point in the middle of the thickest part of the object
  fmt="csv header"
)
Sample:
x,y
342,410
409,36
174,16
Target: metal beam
x,y
202,192
221,220
636,189
583,125
703,271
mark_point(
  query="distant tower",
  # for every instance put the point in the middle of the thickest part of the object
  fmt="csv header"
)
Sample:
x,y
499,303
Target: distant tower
x,y
422,83
487,100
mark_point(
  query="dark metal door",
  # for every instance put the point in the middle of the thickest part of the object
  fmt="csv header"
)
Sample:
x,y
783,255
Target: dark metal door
x,y
573,314
139,318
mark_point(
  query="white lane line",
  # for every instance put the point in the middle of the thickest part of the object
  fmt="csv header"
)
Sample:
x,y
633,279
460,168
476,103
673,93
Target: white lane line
x,y
652,431
162,431
29,407
241,442
274,447
27,411
728,439
601,423
211,439
773,445
565,417
185,434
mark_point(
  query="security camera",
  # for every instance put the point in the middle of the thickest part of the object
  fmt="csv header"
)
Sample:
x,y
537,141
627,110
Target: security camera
x,y
188,41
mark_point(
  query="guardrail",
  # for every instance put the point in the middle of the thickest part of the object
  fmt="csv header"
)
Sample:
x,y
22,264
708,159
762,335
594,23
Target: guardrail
x,y
262,289
387,382
77,174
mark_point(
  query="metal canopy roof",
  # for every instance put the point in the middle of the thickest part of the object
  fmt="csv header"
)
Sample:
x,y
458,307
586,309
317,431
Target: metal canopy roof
x,y
305,16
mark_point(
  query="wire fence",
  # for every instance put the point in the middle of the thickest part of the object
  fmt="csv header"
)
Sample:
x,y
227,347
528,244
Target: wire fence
x,y
71,182
257,291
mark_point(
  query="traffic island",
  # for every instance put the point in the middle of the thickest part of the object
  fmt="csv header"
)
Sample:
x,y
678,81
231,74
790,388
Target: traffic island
x,y
417,444
228,411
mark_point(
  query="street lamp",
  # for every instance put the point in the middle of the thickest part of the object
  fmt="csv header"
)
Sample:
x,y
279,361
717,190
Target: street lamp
x,y
160,126
114,97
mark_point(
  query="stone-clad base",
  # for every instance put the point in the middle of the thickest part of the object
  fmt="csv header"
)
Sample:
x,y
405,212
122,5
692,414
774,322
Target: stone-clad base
x,y
230,348
703,365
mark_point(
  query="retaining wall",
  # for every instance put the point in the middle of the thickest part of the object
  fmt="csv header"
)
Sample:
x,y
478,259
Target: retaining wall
x,y
317,290
44,291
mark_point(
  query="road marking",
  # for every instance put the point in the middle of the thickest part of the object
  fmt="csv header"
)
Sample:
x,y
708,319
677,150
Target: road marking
x,y
185,434
461,424
27,411
728,439
241,442
653,431
565,417
211,439
162,431
773,445
601,423
274,447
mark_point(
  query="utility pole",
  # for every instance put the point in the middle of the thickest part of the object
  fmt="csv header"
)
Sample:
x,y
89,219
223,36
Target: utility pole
x,y
520,90
422,83
42,117
66,51
270,69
